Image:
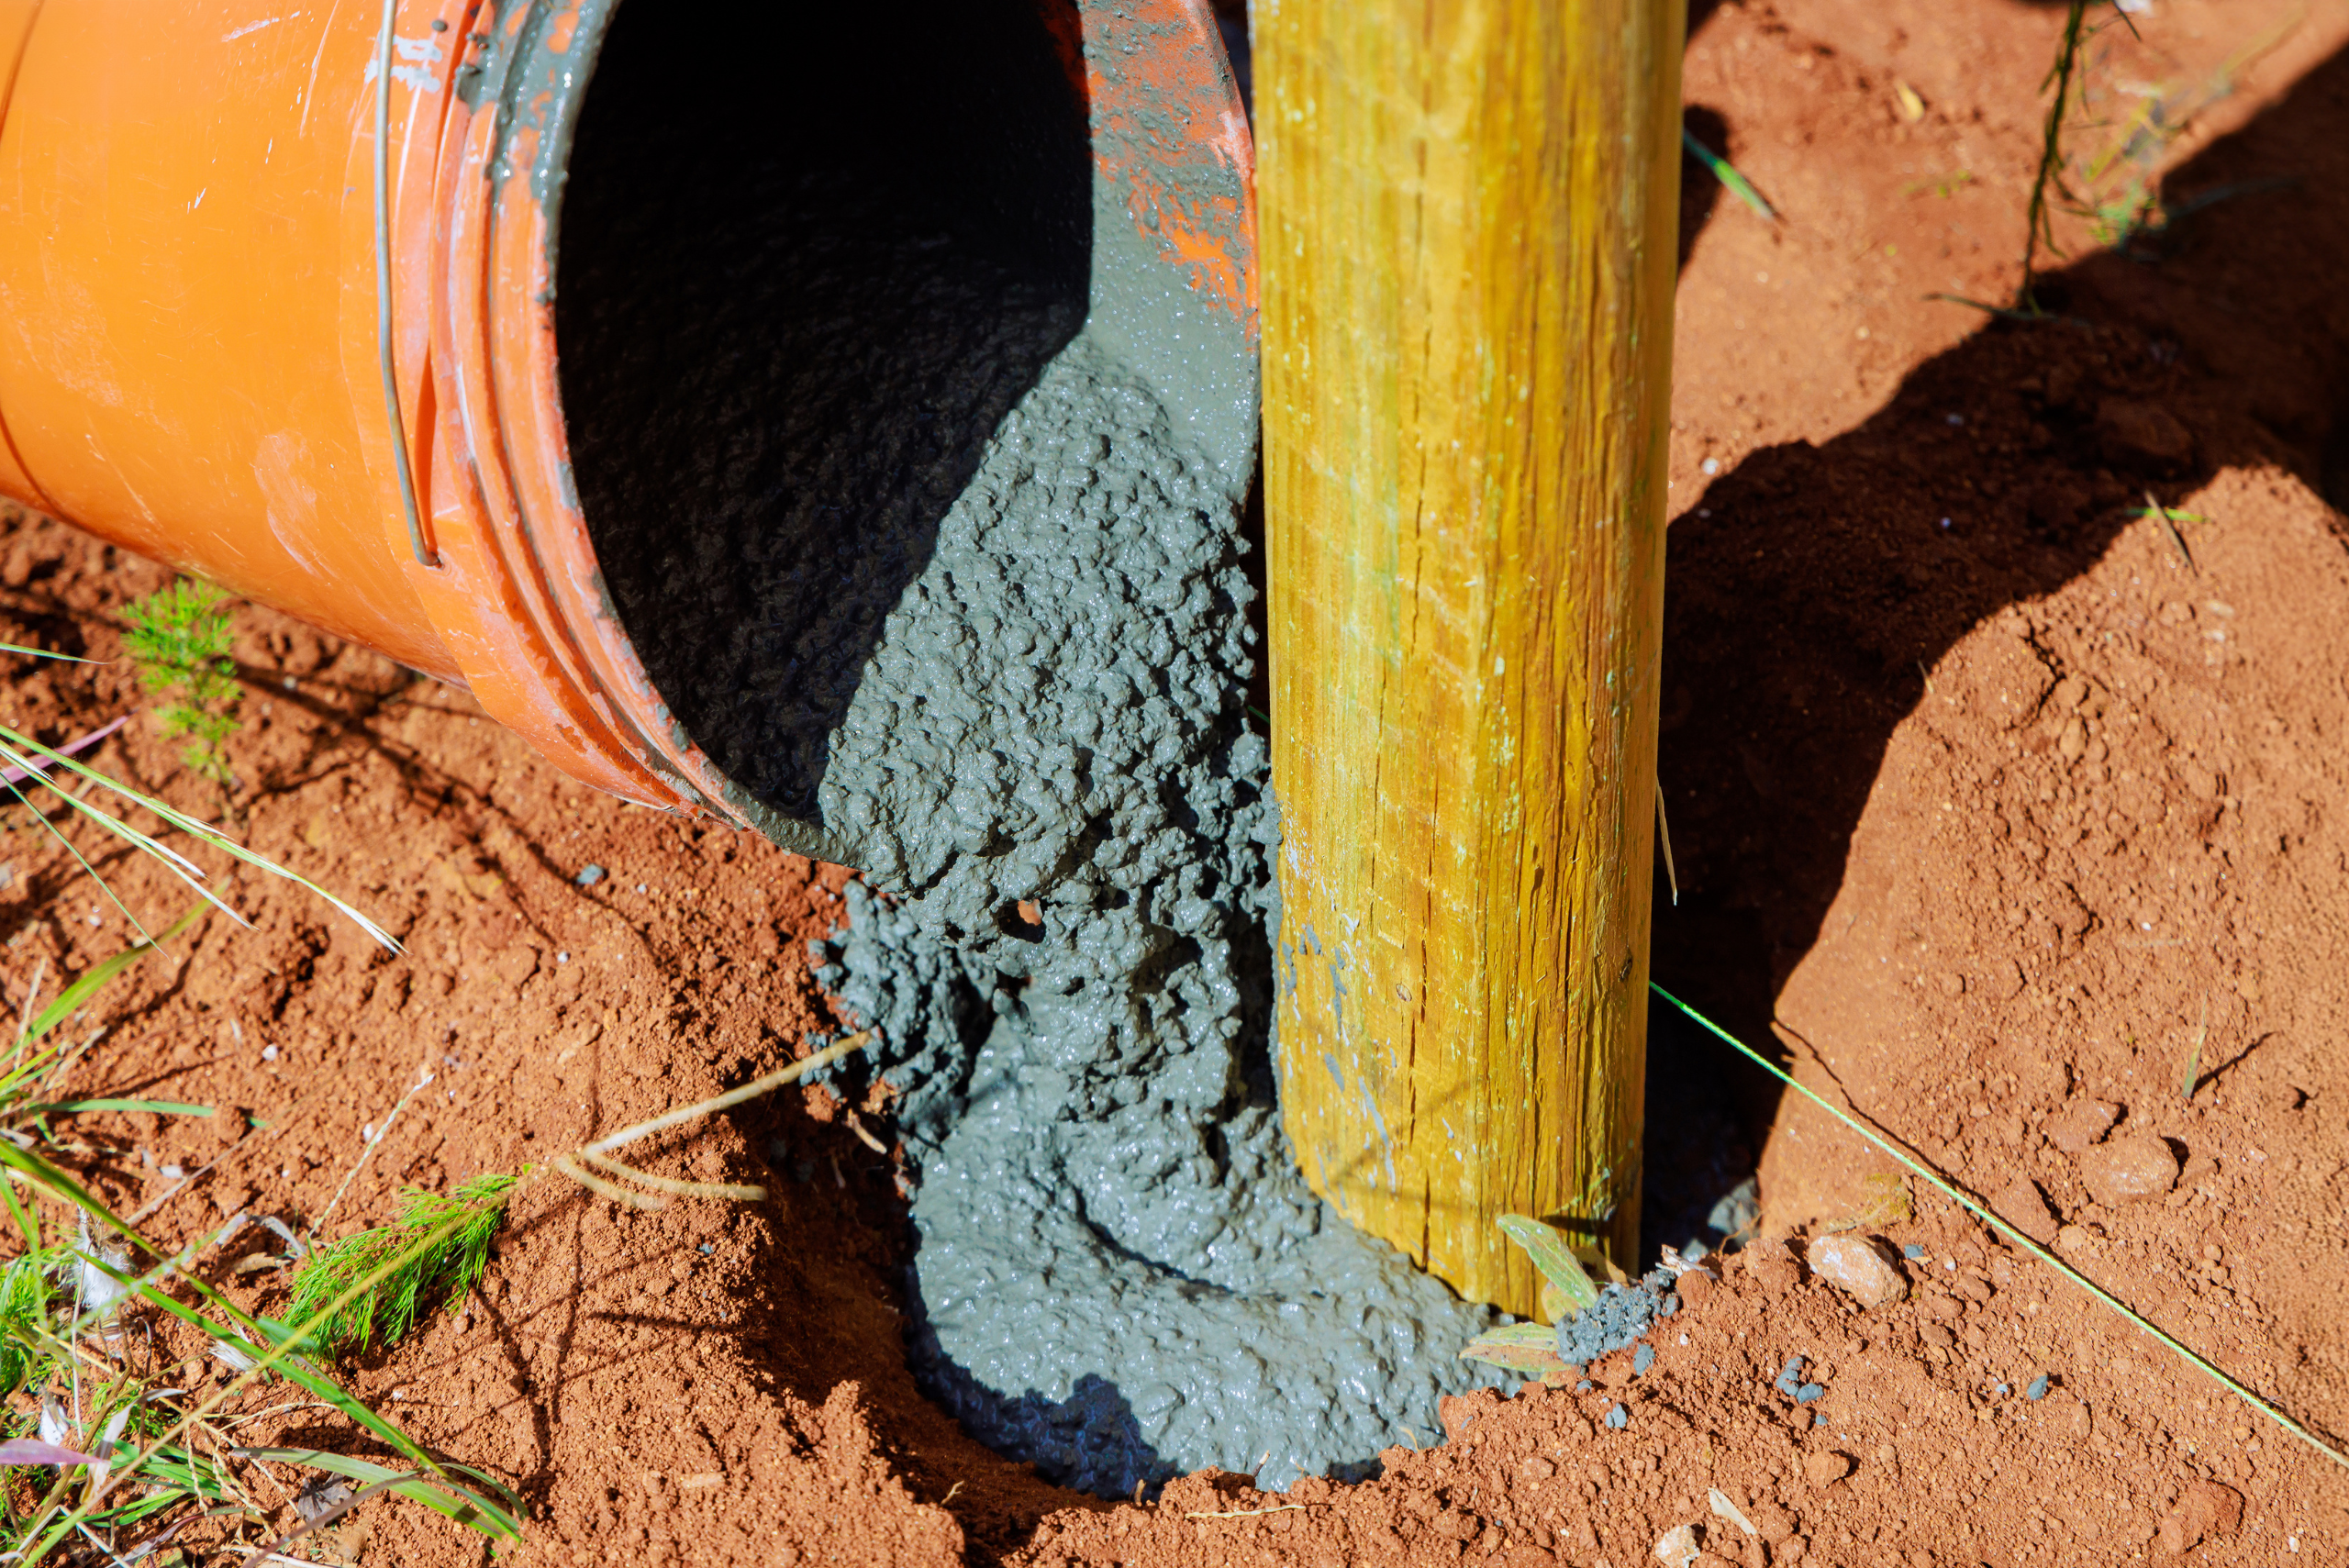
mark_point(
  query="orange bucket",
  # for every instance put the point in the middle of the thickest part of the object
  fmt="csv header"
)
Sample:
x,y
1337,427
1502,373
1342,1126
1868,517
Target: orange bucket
x,y
190,359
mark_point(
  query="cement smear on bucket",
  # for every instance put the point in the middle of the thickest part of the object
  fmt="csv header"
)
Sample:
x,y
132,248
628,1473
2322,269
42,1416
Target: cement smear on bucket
x,y
1120,1274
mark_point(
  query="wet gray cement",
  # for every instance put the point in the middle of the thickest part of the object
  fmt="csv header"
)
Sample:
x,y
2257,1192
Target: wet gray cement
x,y
918,488
1118,1273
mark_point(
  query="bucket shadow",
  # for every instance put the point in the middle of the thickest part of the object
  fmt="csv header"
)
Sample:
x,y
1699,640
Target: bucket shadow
x,y
792,311
1811,588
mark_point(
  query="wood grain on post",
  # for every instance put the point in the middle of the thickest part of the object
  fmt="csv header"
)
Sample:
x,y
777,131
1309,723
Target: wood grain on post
x,y
1468,213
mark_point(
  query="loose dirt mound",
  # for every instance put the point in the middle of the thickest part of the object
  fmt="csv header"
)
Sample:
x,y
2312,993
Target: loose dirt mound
x,y
1990,810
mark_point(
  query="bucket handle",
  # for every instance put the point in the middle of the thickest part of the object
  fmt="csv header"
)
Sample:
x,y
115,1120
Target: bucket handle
x,y
425,555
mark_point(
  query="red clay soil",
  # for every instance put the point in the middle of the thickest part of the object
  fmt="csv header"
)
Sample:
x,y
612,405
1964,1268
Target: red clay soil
x,y
2001,810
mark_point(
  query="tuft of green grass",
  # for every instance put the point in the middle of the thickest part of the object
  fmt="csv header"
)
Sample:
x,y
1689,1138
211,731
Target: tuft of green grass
x,y
179,640
99,1454
24,1299
437,1248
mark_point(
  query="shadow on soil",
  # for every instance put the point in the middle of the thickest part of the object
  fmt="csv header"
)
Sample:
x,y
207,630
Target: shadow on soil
x,y
1810,589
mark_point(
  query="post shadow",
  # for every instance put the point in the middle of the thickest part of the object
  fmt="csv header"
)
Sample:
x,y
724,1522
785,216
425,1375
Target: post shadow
x,y
1810,589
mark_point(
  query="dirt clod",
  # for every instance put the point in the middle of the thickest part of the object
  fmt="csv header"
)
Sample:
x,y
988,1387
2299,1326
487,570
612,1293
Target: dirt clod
x,y
1773,1523
2142,436
2131,1169
1826,1468
2206,1510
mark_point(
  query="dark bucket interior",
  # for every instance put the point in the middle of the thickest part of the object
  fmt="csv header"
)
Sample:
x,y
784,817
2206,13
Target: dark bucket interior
x,y
809,259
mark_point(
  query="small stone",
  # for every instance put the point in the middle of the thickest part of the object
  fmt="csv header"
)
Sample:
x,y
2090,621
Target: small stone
x,y
1617,1418
589,876
2141,435
2074,1240
1811,1393
1826,1468
2206,1510
2022,1205
1642,1359
2081,1124
2130,1170
1853,1263
2038,1389
1677,1546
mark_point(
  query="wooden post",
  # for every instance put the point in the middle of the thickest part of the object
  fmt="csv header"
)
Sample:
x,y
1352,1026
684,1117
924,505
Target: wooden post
x,y
1468,212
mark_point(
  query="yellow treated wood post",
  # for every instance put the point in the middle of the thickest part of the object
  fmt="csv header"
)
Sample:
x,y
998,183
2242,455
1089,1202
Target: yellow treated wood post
x,y
1468,212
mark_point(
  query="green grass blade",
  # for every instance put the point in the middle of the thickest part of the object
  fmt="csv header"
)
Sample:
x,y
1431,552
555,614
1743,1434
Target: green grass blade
x,y
1732,182
45,654
159,1107
26,1223
1554,1255
81,859
455,1501
2071,1275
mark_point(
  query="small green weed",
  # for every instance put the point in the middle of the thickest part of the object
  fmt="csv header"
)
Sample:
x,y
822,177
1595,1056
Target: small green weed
x,y
1567,1289
179,640
2111,181
2048,181
436,1249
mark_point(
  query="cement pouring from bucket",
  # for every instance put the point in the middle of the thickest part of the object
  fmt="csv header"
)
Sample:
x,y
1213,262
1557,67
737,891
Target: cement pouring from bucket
x,y
913,450
851,454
